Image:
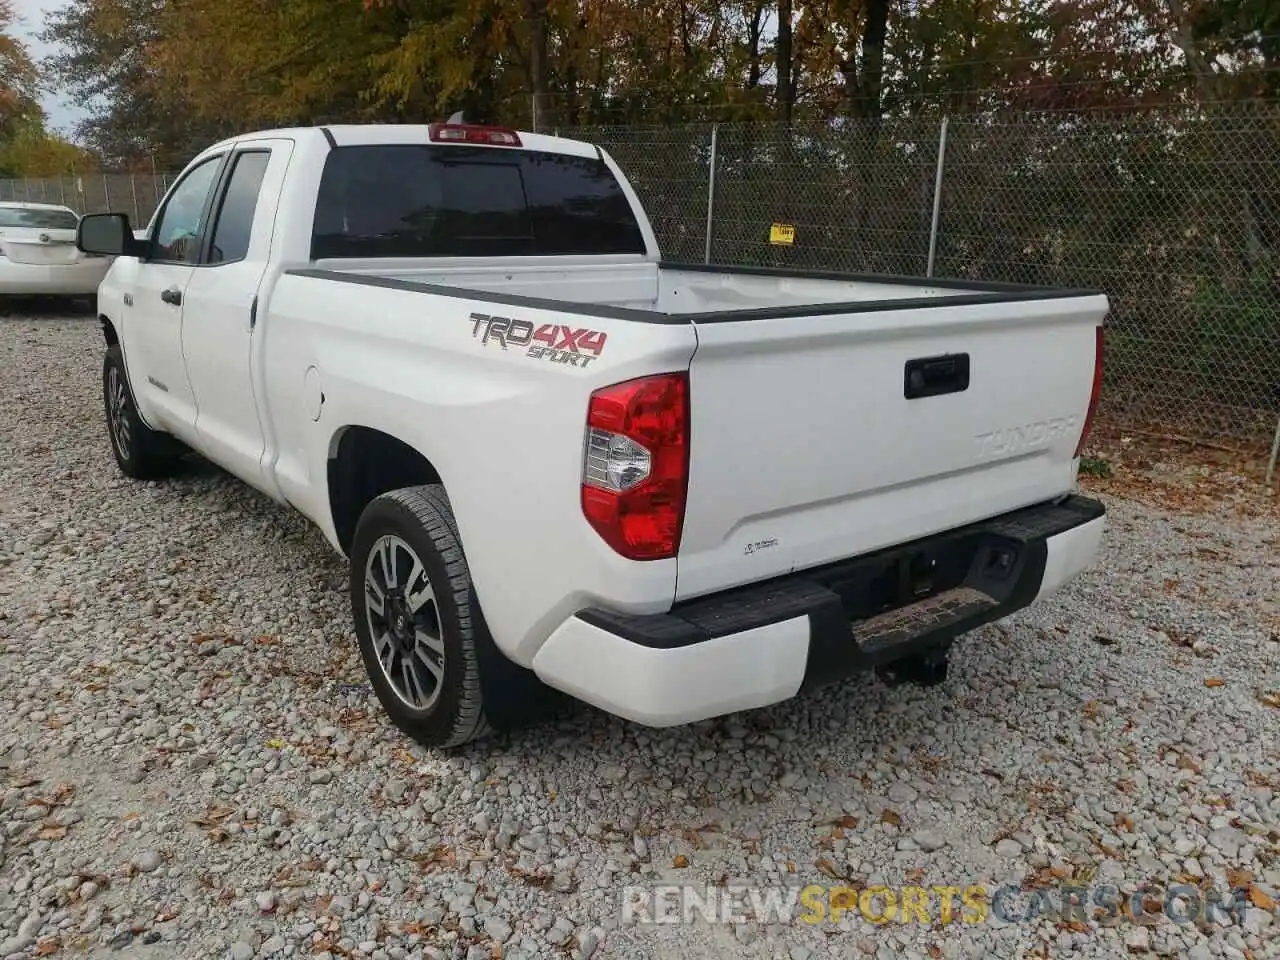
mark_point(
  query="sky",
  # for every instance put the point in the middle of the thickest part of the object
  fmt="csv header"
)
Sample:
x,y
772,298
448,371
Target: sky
x,y
57,104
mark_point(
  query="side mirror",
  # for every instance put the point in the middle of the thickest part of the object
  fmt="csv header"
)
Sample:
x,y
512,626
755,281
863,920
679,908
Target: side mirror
x,y
108,234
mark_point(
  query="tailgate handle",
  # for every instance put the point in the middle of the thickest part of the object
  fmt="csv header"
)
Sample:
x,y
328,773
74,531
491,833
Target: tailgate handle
x,y
935,376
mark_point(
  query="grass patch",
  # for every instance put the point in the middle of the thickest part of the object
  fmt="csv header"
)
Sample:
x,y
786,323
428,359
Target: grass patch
x,y
1095,467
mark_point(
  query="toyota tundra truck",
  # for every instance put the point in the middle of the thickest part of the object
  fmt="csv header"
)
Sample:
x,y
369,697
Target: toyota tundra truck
x,y
555,461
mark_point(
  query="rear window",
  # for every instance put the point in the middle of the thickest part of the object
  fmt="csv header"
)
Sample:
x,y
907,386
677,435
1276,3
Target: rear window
x,y
426,201
38,218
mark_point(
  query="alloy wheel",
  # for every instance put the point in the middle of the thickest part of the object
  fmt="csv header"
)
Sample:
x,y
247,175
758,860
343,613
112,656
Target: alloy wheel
x,y
118,413
404,622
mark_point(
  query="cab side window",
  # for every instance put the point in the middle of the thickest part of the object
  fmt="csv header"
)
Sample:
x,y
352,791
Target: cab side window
x,y
234,225
177,236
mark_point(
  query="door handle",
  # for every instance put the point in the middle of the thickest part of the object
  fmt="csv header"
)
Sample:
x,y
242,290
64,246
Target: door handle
x,y
172,296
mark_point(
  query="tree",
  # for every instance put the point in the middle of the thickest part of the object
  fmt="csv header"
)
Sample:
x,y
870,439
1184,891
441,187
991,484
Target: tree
x,y
164,77
106,59
32,151
19,79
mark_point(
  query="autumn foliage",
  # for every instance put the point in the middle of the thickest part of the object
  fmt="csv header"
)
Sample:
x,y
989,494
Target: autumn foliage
x,y
166,75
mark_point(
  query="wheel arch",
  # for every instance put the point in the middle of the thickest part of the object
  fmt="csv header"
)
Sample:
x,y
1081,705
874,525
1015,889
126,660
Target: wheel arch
x,y
363,463
109,332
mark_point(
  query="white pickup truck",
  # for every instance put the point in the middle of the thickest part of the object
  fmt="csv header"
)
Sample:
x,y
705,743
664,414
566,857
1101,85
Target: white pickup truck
x,y
553,459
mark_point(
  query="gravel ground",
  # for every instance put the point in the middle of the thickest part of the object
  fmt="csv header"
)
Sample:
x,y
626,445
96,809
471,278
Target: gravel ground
x,y
193,766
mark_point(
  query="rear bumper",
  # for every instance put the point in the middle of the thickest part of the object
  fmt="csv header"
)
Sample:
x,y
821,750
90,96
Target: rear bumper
x,y
55,280
757,645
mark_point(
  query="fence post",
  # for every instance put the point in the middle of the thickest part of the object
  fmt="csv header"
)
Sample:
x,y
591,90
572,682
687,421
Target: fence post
x,y
133,189
1275,452
937,196
711,192
106,195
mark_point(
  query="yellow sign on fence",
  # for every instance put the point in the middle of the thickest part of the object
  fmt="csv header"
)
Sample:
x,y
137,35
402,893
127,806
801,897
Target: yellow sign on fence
x,y
782,233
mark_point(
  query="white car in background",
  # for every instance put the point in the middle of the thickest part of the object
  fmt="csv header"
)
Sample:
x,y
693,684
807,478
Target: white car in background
x,y
38,253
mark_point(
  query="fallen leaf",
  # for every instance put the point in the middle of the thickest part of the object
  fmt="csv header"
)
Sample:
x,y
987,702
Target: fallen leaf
x,y
442,855
1269,698
275,743
828,868
1102,641
680,861
48,947
52,831
1261,900
539,880
1214,682
1239,878
915,874
890,816
62,795
847,822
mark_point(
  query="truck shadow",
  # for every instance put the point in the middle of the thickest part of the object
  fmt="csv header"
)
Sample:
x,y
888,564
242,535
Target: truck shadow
x,y
35,308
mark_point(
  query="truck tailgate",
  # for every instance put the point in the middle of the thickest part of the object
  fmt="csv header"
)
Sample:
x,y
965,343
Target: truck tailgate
x,y
825,436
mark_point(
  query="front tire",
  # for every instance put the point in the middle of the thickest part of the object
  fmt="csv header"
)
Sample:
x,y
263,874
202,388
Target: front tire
x,y
140,452
420,633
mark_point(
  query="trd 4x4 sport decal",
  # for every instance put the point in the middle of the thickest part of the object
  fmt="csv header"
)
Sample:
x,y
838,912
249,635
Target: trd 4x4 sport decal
x,y
553,342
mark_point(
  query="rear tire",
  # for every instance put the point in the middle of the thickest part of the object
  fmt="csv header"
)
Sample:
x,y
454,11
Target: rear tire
x,y
416,617
141,453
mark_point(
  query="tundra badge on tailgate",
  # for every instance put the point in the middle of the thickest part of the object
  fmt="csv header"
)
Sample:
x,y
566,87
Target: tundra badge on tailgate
x,y
1025,437
554,342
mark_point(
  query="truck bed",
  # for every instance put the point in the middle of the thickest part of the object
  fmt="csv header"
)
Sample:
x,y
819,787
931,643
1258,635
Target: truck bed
x,y
655,292
833,414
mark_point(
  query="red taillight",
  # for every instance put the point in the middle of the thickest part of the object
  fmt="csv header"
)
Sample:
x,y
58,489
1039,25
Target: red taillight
x,y
469,133
635,471
1095,394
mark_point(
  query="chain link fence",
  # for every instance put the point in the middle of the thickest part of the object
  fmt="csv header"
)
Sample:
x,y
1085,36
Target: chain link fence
x,y
137,194
1176,218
